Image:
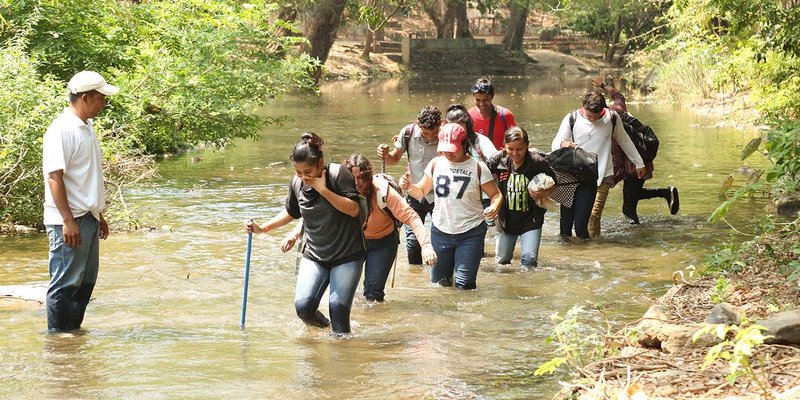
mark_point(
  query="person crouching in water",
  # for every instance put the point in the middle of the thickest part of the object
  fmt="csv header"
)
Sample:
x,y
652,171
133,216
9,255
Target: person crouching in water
x,y
458,229
326,197
519,217
380,233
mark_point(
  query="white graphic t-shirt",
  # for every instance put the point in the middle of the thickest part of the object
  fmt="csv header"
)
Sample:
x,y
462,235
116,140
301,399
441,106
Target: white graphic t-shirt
x,y
458,205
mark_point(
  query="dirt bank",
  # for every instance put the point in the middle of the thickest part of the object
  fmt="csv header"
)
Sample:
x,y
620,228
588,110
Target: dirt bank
x,y
345,62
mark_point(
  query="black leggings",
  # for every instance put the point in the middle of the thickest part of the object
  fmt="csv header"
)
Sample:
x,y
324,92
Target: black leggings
x,y
633,191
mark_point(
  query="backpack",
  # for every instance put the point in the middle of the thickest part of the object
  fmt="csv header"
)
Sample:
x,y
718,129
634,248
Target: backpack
x,y
491,123
642,137
386,183
407,137
333,173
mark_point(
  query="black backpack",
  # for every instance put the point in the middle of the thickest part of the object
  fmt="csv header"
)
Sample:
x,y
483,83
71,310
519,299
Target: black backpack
x,y
642,137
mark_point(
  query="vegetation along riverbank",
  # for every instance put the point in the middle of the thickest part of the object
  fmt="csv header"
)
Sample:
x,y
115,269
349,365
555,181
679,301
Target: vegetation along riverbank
x,y
193,72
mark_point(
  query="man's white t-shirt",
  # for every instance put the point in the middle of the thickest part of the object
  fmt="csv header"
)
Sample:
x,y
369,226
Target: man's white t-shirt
x,y
71,145
458,205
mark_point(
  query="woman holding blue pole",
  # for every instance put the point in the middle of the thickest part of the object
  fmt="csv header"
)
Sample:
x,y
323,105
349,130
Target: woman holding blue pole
x,y
326,197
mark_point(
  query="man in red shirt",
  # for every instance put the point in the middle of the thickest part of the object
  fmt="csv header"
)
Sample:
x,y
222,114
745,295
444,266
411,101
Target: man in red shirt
x,y
489,119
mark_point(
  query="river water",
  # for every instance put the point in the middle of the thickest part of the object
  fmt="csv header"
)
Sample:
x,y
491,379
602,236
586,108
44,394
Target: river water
x,y
164,322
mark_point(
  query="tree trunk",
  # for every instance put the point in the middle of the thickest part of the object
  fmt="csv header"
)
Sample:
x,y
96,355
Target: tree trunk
x,y
322,23
614,40
433,8
517,21
286,13
461,20
368,43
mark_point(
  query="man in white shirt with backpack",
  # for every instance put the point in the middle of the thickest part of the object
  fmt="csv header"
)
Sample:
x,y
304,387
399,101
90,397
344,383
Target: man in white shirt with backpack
x,y
591,128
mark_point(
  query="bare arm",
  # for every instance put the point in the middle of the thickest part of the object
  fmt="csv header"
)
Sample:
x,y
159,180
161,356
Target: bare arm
x,y
392,157
276,222
72,236
416,190
491,190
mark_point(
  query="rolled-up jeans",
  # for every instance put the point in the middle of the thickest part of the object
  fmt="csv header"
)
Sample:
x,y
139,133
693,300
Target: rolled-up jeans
x,y
597,208
457,253
73,274
313,279
381,254
529,241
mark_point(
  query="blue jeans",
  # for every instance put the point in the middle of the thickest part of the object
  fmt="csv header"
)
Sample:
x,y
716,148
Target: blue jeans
x,y
73,274
381,254
413,249
530,247
313,279
580,211
460,253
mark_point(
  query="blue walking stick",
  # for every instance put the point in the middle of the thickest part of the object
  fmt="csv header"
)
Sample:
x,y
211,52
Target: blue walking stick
x,y
246,275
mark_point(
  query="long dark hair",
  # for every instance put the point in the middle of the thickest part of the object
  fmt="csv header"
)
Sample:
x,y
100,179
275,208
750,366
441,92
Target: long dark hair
x,y
358,160
308,149
458,114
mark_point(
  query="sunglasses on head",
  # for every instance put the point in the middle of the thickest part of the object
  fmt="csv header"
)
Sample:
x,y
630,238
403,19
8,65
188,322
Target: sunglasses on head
x,y
482,88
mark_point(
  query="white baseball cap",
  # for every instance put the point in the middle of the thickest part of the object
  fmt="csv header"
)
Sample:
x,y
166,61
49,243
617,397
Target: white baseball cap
x,y
85,81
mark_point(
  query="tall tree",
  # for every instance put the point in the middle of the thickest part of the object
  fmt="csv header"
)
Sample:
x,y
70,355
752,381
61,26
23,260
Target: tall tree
x,y
372,14
458,8
321,25
517,21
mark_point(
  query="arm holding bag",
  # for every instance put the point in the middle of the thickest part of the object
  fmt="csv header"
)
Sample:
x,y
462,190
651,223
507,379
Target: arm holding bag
x,y
574,161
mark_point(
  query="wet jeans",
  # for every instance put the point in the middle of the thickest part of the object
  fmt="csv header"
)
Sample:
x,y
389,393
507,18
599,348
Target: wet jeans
x,y
73,274
529,241
413,249
460,254
313,279
381,254
580,211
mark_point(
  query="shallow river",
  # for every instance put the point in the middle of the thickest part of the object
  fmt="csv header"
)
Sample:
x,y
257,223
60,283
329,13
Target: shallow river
x,y
165,319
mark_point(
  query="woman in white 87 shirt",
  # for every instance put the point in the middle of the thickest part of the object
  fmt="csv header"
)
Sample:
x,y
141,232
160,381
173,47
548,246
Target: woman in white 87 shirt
x,y
458,230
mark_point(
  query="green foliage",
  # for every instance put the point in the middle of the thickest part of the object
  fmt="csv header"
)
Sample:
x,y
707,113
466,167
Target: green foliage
x,y
578,342
191,72
777,249
725,259
729,47
70,36
722,289
736,351
783,149
29,103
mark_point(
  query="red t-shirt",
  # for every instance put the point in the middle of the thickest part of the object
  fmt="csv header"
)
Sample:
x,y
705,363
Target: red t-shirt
x,y
502,121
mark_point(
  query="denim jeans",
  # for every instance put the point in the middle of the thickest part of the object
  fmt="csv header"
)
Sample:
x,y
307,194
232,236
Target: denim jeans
x,y
460,254
530,247
381,254
580,211
313,279
413,249
599,205
73,274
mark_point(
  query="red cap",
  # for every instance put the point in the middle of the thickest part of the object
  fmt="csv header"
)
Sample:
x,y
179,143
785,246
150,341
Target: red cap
x,y
450,138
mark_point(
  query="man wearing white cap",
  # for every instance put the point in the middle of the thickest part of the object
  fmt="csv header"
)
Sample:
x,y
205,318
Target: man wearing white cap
x,y
74,199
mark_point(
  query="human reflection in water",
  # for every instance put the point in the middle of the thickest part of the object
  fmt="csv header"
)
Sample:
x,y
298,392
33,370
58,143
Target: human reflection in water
x,y
73,365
